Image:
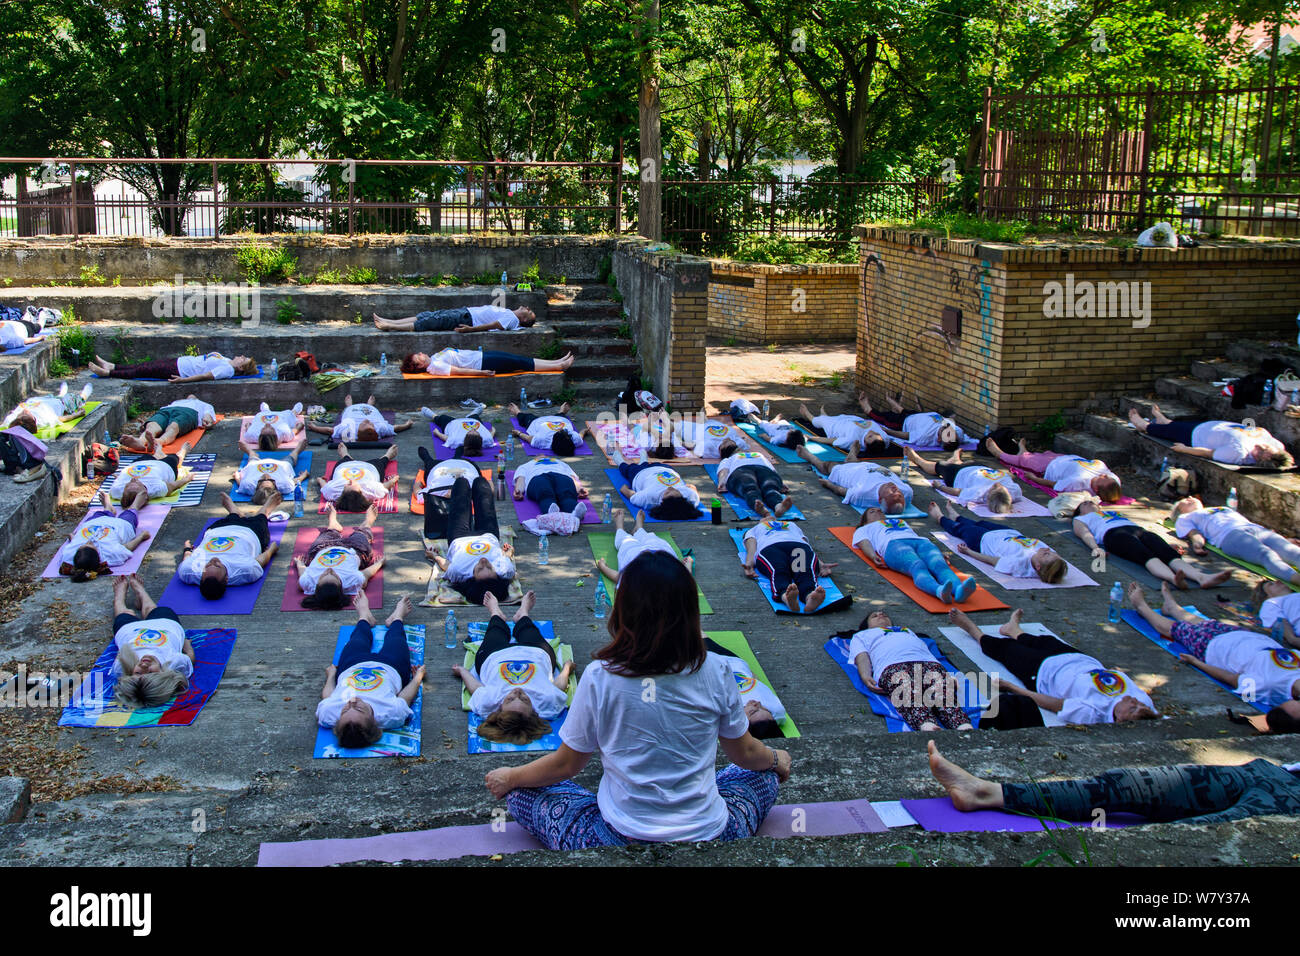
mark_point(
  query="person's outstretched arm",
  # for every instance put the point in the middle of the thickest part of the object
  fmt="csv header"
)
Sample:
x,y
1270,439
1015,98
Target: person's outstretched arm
x,y
179,483
1083,534
404,426
205,377
490,327
331,675
1218,673
751,556
966,549
544,772
750,753
561,680
863,663
412,688
1054,704
135,542
265,557
371,571
1198,452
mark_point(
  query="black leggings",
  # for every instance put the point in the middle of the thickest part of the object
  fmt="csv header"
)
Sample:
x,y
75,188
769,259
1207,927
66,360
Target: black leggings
x,y
892,420
1187,793
395,652
948,473
752,483
970,530
471,510
551,488
498,639
1138,545
506,362
380,464
1180,432
1023,655
122,620
258,524
777,561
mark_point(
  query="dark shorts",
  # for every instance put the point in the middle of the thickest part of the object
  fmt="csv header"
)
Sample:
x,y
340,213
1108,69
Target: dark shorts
x,y
442,320
122,620
186,419
258,524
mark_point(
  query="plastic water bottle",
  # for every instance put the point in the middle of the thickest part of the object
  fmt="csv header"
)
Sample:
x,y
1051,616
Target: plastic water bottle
x,y
605,509
449,630
1232,499
523,398
504,278
1116,603
108,440
510,447
297,501
767,409
1268,394
1164,467
602,600
905,468
275,370
544,550
383,364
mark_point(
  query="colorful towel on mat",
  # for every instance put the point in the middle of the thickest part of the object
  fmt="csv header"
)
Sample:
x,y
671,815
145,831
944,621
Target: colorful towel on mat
x,y
736,642
304,464
387,505
92,704
475,632
1135,620
787,455
835,598
1074,578
403,741
973,702
742,510
150,518
580,450
198,465
612,435
527,509
702,512
185,598
602,546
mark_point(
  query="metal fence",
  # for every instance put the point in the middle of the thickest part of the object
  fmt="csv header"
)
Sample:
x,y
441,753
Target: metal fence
x,y
1213,159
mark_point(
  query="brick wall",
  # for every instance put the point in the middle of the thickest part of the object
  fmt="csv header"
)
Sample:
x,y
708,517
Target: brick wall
x,y
1015,365
758,303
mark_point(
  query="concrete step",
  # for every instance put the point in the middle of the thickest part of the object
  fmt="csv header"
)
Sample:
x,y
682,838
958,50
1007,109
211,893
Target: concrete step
x,y
1216,370
1251,352
21,374
589,310
1208,402
576,291
1088,445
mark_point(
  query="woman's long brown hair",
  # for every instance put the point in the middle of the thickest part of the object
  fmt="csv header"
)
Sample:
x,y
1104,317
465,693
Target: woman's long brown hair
x,y
655,621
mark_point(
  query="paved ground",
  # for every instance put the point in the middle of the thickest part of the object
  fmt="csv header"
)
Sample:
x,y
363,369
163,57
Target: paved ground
x,y
251,747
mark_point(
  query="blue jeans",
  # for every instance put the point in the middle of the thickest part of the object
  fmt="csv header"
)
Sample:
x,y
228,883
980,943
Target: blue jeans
x,y
443,320
924,562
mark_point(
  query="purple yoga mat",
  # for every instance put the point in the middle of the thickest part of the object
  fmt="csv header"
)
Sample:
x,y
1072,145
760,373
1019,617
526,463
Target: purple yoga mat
x,y
582,448
938,815
528,509
442,452
185,598
448,843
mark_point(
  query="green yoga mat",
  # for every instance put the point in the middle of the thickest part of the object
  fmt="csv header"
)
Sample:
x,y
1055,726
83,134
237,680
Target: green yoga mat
x,y
52,432
602,546
735,642
1239,562
563,655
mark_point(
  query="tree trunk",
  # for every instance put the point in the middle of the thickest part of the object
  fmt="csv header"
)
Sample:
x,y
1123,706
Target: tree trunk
x,y
704,152
651,174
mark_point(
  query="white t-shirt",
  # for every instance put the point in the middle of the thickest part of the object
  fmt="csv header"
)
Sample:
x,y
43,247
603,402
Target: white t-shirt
x,y
445,475
650,485
743,459
213,363
543,465
705,438
923,428
658,751
865,490
154,474
974,483
1285,606
1262,664
883,533
1013,550
844,430
630,546
235,547
375,683
13,335
278,470
542,430
461,358
518,666
160,638
751,688
487,314
198,406
109,536
354,416
1214,524
458,428
47,410
285,423
1100,522
776,432
1089,690
887,646
774,530
1072,473
464,553
345,562
1232,442
362,472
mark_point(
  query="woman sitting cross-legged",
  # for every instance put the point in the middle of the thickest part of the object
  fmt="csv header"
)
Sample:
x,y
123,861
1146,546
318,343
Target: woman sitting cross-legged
x,y
106,539
660,490
890,660
552,485
656,706
264,478
1253,664
1005,549
553,433
783,553
516,685
155,659
234,550
1063,472
356,485
889,541
339,563
1123,538
476,362
1187,793
1058,677
1233,443
631,546
183,369
476,563
750,476
368,691
1237,536
971,484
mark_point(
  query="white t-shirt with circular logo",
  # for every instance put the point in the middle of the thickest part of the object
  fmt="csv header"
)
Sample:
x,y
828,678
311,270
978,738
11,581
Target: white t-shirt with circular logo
x,y
345,562
159,638
109,536
518,666
235,547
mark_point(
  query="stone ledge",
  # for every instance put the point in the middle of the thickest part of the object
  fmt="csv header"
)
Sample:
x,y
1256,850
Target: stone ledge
x,y
15,798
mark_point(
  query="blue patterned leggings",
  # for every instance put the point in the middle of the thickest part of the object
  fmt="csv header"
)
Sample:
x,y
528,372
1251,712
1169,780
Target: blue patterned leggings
x,y
565,816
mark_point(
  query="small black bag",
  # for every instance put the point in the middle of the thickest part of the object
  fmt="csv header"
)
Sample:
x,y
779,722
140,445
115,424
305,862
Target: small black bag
x,y
14,456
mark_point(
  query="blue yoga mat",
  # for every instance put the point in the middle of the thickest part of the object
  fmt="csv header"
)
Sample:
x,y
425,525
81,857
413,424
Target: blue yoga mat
x,y
304,464
838,649
741,510
475,632
787,455
1135,620
403,741
835,598
617,481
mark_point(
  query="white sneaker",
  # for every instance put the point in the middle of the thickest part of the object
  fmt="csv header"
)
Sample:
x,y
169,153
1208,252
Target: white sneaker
x,y
580,510
467,403
264,407
297,408
86,391
554,509
63,389
428,413
618,456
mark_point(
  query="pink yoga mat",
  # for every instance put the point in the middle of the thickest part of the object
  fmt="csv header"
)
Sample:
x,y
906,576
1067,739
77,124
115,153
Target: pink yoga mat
x,y
149,518
937,814
292,600
581,449
448,843
528,509
1029,478
299,431
387,504
442,452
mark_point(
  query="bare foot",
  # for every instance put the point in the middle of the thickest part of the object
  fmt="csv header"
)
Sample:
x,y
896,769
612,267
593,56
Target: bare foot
x,y
815,598
1012,627
760,509
1214,580
790,598
490,602
1169,605
951,508
1136,598
526,605
1180,579
400,612
933,511
966,791
1137,420
362,604
784,505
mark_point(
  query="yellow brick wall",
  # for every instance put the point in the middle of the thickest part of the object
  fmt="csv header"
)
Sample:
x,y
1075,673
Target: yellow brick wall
x,y
766,310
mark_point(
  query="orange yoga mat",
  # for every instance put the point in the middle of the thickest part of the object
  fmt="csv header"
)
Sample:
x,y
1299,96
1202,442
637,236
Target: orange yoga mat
x,y
192,437
981,600
470,378
417,502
